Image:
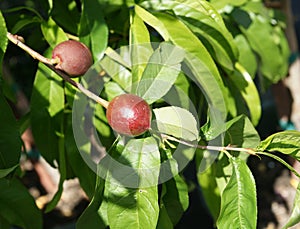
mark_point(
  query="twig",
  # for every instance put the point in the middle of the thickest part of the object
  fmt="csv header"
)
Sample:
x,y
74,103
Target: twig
x,y
213,148
50,63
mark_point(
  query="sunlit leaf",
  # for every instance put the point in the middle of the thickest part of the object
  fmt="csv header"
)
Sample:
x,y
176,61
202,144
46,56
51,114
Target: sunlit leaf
x,y
141,49
246,56
132,191
53,33
286,142
160,73
3,40
177,122
295,216
238,200
244,83
204,21
241,133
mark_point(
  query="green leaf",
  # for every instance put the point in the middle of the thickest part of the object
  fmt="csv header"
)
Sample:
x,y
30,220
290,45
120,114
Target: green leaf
x,y
244,83
141,49
10,140
86,176
213,41
116,65
4,224
209,187
5,172
17,205
295,216
259,29
246,56
220,5
238,200
23,8
164,221
286,142
205,21
90,218
3,41
47,105
132,186
175,198
112,90
26,20
201,66
160,73
93,30
53,33
66,14
214,168
177,122
62,171
241,133
152,21
174,195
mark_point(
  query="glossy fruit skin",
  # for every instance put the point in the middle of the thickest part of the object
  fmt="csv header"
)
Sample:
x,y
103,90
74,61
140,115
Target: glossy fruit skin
x,y
75,58
129,114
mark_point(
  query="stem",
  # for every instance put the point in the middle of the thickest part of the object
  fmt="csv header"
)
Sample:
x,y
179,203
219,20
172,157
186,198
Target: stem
x,y
50,64
35,55
214,148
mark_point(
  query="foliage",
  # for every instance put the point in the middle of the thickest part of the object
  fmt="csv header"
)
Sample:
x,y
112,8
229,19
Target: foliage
x,y
194,62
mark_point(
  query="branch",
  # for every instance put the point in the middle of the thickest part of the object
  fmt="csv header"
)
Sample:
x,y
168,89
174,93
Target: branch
x,y
213,148
50,63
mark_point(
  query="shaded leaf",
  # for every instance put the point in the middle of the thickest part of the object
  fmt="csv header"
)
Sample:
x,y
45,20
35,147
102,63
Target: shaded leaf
x,y
62,171
47,105
174,195
209,188
66,14
18,206
257,29
5,172
93,30
10,140
90,218
85,174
